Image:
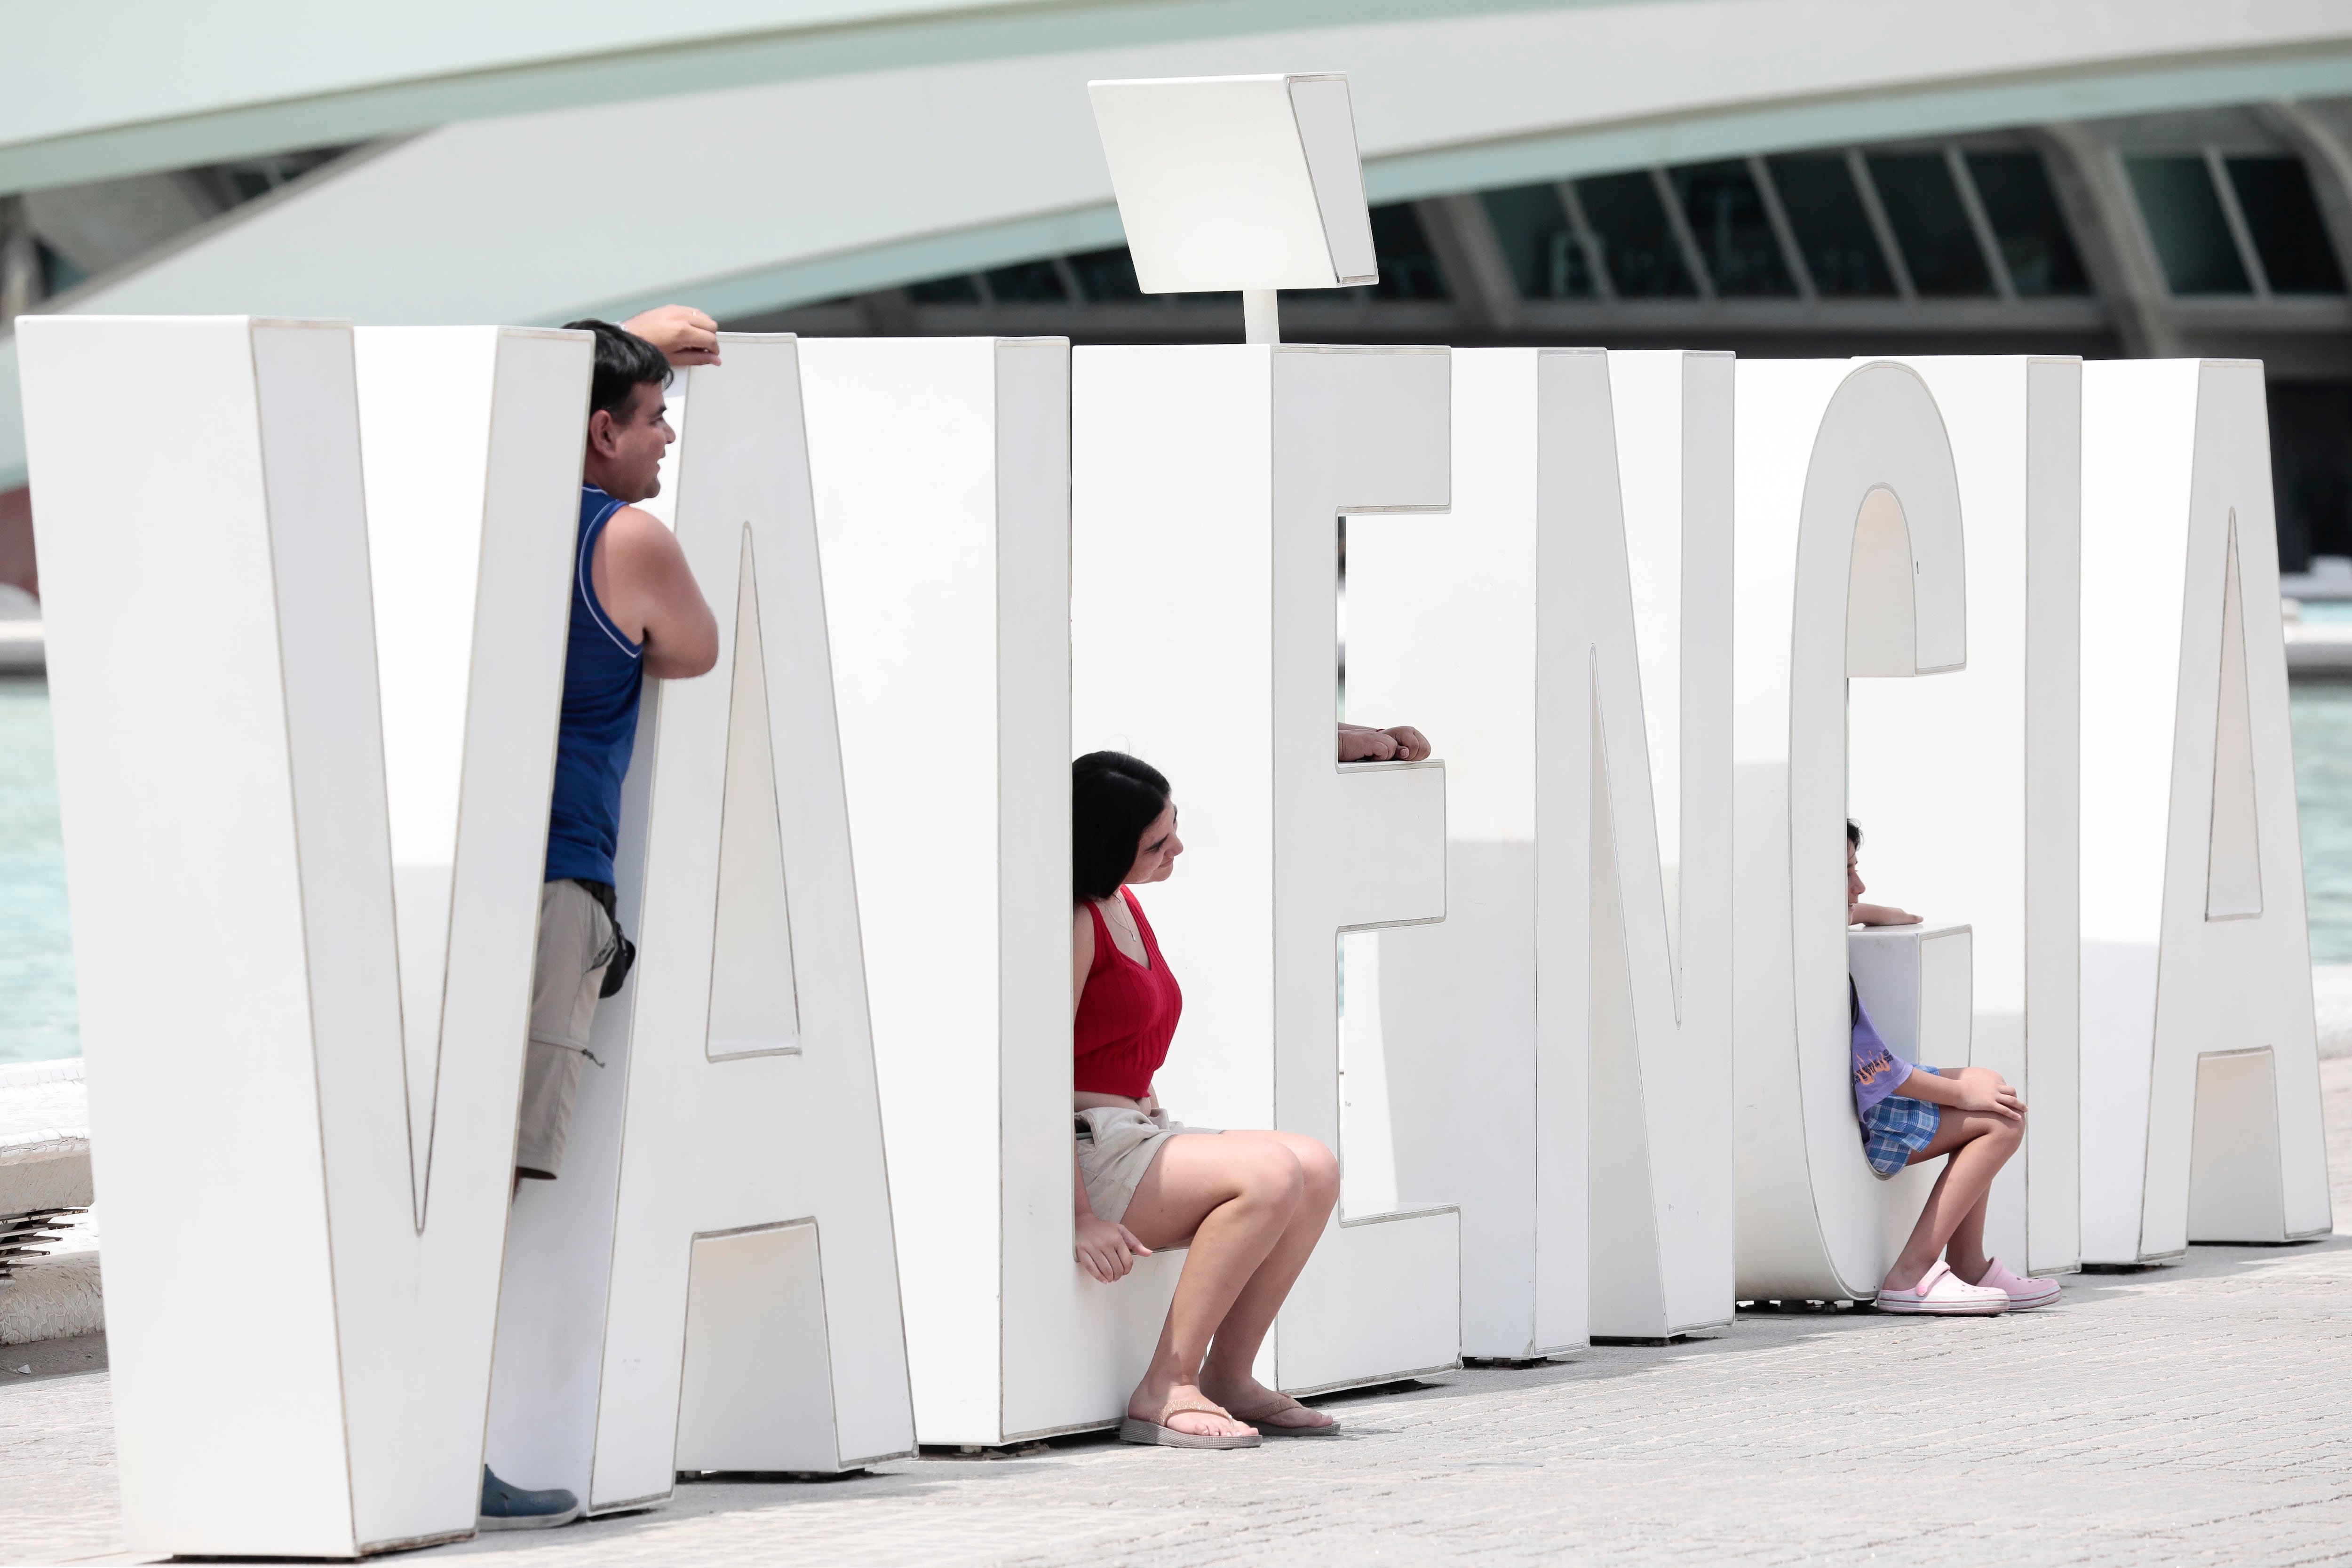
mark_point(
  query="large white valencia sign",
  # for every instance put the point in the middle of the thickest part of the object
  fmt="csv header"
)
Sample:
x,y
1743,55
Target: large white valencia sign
x,y
270,851
305,864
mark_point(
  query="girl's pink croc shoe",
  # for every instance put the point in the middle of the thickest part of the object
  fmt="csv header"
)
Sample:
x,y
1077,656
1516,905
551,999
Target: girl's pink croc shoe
x,y
2023,1294
1941,1293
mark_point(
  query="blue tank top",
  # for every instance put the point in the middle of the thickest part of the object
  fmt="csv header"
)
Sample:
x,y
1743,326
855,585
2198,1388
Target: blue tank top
x,y
602,673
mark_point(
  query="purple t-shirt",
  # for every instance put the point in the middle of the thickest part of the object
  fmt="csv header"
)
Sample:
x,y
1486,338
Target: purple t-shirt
x,y
1877,1071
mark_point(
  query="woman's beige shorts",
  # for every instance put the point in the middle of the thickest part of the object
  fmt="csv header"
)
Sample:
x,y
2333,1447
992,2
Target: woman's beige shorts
x,y
1115,1147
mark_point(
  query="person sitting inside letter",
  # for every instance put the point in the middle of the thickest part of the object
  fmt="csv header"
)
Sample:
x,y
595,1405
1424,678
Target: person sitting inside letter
x,y
1251,1204
1910,1114
636,612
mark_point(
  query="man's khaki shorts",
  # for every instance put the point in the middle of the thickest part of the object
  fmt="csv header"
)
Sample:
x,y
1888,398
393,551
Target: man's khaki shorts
x,y
576,940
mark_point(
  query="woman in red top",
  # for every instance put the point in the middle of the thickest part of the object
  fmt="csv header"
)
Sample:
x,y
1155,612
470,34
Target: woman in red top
x,y
1251,1204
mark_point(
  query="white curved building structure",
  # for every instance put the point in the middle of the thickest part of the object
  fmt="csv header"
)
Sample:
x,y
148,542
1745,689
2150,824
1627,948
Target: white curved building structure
x,y
543,163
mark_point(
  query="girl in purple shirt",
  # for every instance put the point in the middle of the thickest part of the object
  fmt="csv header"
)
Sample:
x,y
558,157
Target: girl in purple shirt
x,y
1911,1114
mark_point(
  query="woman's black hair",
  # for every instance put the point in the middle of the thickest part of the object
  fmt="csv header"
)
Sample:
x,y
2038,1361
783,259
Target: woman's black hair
x,y
1853,833
625,362
1113,798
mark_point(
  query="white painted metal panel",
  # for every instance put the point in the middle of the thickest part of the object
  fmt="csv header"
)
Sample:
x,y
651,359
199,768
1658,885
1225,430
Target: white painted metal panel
x,y
1240,182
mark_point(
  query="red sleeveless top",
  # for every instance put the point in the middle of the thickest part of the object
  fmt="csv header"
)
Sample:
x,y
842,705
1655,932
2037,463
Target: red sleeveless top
x,y
1127,1014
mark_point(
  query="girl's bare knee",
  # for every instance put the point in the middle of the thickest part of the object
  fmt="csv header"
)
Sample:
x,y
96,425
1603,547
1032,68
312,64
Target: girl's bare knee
x,y
1273,1177
1320,1169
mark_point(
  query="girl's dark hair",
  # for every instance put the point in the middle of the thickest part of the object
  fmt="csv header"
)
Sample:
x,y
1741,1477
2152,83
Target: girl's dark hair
x,y
1113,798
1852,997
625,362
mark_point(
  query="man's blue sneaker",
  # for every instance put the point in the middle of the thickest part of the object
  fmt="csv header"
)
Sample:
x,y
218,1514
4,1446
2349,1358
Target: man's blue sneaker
x,y
508,1506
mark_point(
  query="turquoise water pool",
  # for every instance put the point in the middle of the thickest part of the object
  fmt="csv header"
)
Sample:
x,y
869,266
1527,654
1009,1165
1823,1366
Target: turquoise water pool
x,y
37,1020
2321,712
36,983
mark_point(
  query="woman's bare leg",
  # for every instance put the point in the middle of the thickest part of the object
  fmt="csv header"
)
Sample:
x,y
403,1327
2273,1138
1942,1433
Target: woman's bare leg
x,y
1226,1376
1979,1144
1234,1199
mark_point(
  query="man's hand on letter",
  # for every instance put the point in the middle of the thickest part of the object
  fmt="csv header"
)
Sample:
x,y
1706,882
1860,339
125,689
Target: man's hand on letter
x,y
684,334
1397,743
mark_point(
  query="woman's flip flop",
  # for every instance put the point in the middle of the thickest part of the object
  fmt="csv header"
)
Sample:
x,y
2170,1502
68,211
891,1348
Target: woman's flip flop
x,y
1132,1430
1272,1429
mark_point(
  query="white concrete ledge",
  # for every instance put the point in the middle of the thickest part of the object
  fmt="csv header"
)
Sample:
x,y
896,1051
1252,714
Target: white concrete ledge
x,y
22,649
52,1299
45,1165
44,1137
2318,647
2331,995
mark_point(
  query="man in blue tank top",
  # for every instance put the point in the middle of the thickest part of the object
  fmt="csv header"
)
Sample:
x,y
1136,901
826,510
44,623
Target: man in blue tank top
x,y
636,614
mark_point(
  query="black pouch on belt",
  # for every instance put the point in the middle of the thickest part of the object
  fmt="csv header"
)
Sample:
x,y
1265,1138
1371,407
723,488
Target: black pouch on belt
x,y
625,955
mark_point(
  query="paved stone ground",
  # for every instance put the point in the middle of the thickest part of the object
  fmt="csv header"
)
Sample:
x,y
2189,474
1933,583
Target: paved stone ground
x,y
2184,1415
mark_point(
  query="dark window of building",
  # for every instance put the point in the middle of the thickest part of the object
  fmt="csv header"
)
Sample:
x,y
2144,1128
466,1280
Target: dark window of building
x,y
1408,267
2184,219
1028,283
2283,216
2311,469
1107,277
1637,245
1833,232
259,176
1922,208
2025,218
959,290
1546,260
58,274
1727,217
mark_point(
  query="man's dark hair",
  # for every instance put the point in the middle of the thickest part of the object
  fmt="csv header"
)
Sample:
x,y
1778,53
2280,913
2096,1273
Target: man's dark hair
x,y
1113,798
625,362
1853,833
